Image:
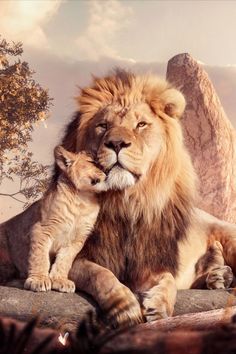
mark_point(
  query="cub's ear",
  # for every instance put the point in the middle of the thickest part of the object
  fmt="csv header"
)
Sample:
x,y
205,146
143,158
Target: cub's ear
x,y
173,103
63,157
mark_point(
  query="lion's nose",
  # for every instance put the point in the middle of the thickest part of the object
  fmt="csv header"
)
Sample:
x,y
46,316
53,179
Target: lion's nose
x,y
117,145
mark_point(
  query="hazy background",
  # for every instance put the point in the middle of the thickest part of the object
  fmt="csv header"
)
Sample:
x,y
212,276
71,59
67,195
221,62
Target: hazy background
x,y
66,41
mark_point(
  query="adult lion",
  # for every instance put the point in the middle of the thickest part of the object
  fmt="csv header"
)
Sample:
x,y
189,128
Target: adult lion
x,y
149,239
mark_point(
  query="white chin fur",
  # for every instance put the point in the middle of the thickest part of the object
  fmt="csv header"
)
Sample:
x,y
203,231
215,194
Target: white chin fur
x,y
118,178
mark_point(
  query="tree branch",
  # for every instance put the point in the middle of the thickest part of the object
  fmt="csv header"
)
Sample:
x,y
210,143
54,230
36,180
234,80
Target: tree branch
x,y
12,196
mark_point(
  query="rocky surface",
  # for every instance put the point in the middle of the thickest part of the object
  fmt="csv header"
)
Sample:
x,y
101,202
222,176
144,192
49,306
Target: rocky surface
x,y
64,311
209,135
53,309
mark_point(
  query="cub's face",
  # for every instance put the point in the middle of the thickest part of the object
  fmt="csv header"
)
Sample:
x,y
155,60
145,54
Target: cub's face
x,y
85,175
126,142
81,170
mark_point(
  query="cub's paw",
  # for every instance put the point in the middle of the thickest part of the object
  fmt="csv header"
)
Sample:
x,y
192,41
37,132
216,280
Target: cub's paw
x,y
38,283
155,305
63,285
123,308
219,278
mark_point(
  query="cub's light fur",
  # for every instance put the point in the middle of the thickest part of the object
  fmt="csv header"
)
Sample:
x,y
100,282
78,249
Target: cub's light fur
x,y
68,214
149,238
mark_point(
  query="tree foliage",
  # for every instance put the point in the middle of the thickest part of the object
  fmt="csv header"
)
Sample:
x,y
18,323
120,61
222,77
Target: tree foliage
x,y
23,102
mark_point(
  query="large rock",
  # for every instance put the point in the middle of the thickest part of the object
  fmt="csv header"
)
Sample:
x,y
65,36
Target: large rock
x,y
65,311
209,135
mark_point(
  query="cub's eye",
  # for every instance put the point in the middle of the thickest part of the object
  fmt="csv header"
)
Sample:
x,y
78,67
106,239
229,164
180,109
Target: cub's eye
x,y
102,126
141,125
95,181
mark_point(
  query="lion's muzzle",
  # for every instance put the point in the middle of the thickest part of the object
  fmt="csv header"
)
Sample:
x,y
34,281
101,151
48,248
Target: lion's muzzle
x,y
118,138
120,158
117,145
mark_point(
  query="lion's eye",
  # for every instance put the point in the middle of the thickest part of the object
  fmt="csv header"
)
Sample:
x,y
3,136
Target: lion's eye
x,y
102,125
141,124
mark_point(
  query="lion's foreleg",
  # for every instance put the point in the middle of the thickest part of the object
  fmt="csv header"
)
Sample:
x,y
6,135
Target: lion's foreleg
x,y
158,302
114,298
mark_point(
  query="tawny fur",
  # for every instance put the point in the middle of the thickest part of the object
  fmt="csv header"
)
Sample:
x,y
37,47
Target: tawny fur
x,y
211,271
68,213
148,237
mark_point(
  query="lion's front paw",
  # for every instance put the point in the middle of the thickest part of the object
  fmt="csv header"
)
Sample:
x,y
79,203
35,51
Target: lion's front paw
x,y
155,305
63,285
219,278
38,283
123,308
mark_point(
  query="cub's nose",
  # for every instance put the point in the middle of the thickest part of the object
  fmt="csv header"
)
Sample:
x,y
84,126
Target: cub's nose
x,y
116,145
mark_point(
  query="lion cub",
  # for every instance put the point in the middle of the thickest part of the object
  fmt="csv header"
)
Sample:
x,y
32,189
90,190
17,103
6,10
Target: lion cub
x,y
68,214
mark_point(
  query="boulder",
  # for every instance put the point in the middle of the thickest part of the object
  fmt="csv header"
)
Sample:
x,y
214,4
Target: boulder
x,y
64,311
209,136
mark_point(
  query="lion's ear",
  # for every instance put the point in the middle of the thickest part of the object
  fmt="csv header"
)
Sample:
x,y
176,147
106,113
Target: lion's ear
x,y
173,103
63,157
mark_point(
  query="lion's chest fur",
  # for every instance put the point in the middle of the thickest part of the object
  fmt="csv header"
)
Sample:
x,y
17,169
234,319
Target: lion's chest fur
x,y
135,248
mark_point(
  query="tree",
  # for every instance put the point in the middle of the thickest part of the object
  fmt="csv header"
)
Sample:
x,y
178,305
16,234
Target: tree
x,y
23,102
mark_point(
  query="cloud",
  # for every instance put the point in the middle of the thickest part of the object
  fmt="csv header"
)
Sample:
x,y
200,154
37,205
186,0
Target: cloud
x,y
106,20
23,20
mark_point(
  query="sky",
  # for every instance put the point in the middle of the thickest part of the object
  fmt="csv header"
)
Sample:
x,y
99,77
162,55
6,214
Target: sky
x,y
141,30
66,41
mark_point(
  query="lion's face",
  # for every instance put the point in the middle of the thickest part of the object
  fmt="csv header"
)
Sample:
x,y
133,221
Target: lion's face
x,y
124,123
126,142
